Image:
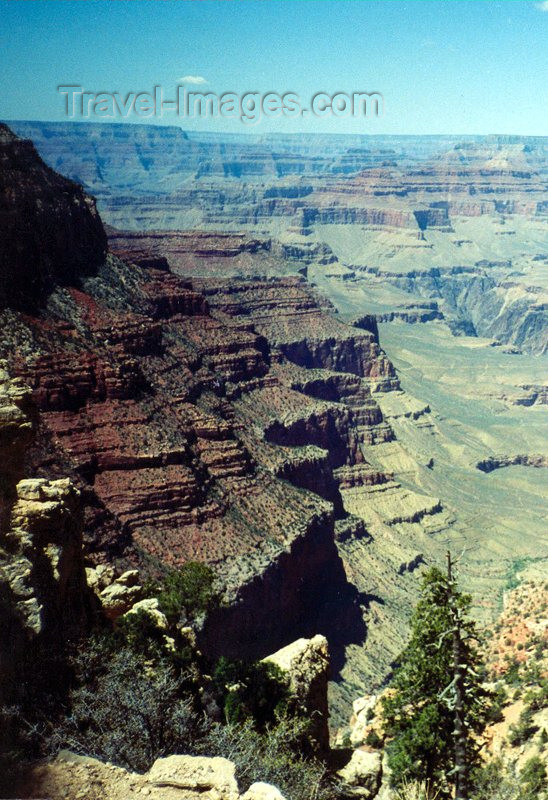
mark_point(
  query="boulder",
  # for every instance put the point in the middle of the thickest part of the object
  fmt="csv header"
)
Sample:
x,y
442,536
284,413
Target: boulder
x,y
208,777
151,607
364,712
170,778
100,577
129,578
44,574
117,595
17,418
361,776
117,599
263,791
306,664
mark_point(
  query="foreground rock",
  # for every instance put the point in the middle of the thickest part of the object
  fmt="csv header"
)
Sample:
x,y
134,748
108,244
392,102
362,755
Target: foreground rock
x,y
42,578
16,427
306,664
361,777
171,778
262,791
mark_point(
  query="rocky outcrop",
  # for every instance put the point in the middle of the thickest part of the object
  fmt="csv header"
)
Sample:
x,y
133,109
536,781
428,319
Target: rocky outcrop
x,y
17,422
361,776
413,313
310,468
306,664
357,355
330,428
198,774
524,460
479,301
363,713
121,596
175,777
52,233
302,327
262,791
45,573
43,591
535,394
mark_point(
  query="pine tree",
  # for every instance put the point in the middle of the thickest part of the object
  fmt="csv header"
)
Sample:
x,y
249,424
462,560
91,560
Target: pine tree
x,y
438,707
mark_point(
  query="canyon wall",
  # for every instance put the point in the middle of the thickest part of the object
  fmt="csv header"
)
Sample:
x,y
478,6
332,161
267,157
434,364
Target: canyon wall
x,y
187,418
206,401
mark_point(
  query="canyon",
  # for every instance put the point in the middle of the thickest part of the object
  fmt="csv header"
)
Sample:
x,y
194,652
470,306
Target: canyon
x,y
287,357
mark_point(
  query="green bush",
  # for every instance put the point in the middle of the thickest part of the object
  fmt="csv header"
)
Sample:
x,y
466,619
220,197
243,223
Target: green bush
x,y
491,781
533,778
537,699
251,691
373,739
524,729
140,633
499,699
188,592
511,674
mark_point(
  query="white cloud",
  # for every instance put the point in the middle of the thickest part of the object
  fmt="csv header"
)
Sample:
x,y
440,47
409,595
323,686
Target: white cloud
x,y
543,6
197,79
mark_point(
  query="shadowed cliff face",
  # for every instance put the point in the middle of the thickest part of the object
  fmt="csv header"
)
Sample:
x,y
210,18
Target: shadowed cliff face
x,y
51,232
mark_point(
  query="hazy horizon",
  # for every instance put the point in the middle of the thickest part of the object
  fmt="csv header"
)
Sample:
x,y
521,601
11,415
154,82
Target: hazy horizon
x,y
457,68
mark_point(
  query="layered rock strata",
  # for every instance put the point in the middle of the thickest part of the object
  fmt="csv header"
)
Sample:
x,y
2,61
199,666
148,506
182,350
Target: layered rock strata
x,y
194,416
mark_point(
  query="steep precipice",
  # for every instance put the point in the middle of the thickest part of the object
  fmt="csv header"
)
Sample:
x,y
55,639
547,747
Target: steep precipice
x,y
52,233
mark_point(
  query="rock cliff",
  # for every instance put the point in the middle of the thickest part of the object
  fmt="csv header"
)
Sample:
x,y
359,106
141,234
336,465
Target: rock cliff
x,y
306,664
55,234
43,591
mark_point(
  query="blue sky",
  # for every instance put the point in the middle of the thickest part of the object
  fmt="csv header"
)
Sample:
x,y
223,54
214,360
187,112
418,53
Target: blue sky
x,y
453,66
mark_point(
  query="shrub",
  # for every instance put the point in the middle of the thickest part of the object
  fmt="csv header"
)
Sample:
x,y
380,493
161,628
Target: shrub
x,y
256,691
190,592
416,790
533,778
373,739
140,633
274,757
492,782
499,699
130,713
537,699
524,729
511,674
